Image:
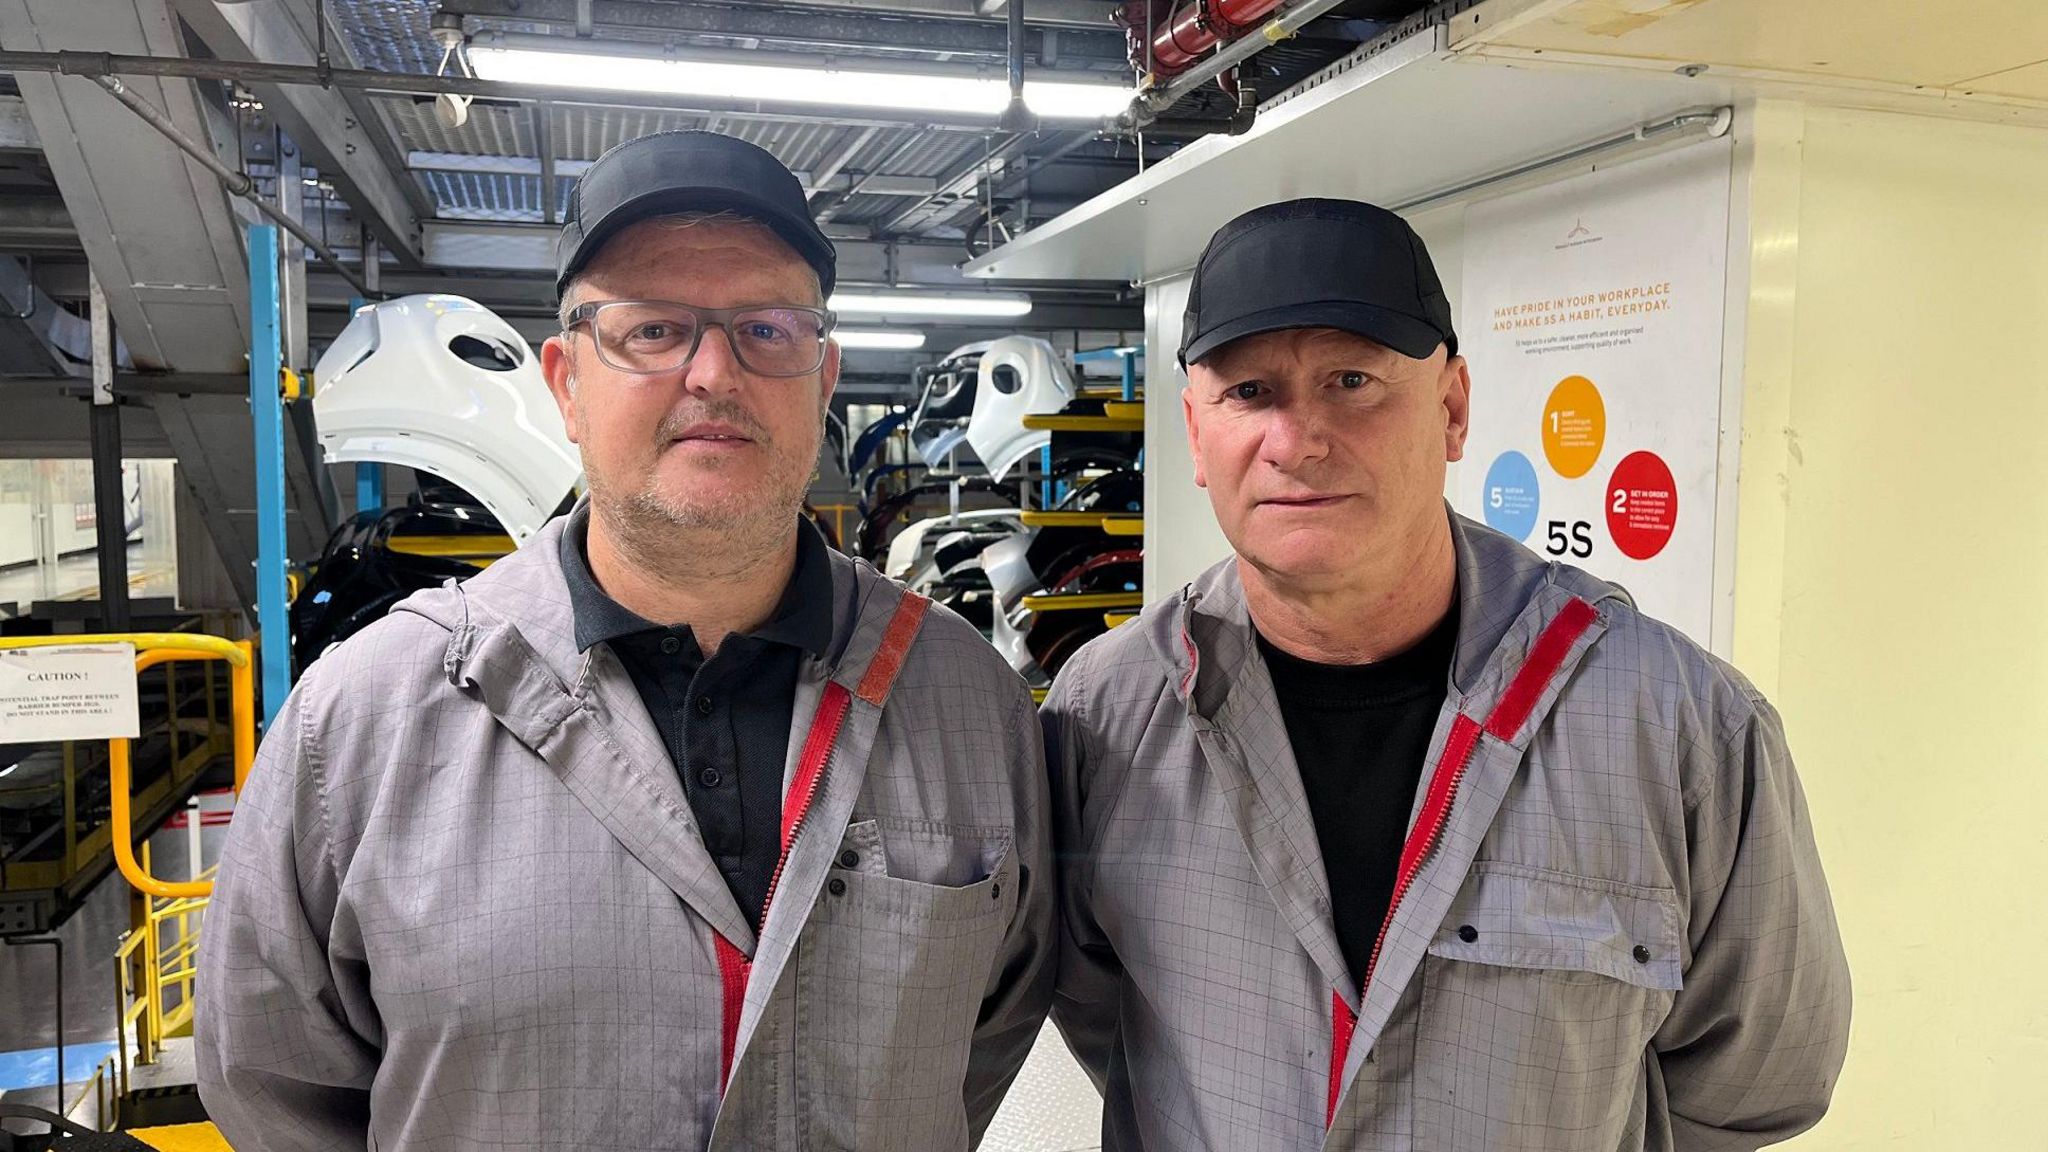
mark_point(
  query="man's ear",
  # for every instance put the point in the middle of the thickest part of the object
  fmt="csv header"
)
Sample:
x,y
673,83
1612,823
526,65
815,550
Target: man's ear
x,y
829,374
1194,424
560,374
1457,391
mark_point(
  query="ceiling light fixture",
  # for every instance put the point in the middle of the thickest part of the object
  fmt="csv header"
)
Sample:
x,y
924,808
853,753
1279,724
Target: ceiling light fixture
x,y
801,80
873,341
928,304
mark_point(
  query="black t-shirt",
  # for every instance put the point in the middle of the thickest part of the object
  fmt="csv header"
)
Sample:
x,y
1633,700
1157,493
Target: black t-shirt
x,y
1360,733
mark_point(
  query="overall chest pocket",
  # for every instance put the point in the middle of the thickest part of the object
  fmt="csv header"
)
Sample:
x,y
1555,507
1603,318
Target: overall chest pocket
x,y
1540,994
891,972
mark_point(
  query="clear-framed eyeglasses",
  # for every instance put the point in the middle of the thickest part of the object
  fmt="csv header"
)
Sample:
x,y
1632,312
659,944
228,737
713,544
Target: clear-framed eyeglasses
x,y
648,337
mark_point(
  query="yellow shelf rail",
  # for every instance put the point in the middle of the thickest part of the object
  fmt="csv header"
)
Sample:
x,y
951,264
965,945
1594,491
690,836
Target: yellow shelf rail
x,y
1114,523
1104,423
477,550
1084,601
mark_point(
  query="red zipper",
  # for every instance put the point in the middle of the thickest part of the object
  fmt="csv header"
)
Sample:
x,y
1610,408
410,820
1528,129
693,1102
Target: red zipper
x,y
734,967
1506,719
810,776
1429,827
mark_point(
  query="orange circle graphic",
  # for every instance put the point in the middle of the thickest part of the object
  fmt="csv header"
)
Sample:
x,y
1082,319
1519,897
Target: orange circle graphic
x,y
1574,427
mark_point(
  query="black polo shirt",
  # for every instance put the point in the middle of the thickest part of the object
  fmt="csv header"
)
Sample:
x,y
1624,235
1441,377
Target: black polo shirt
x,y
726,720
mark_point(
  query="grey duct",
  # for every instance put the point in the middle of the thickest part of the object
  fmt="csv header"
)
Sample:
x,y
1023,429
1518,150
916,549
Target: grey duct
x,y
235,182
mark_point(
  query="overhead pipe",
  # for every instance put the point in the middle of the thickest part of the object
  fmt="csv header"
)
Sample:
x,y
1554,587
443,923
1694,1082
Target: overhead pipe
x,y
1179,36
1017,117
1154,98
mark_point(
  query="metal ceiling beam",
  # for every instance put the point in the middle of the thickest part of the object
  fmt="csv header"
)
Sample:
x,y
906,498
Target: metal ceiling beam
x,y
544,141
940,25
828,207
845,155
337,129
37,337
1013,178
489,164
42,223
961,181
17,131
45,423
828,179
223,480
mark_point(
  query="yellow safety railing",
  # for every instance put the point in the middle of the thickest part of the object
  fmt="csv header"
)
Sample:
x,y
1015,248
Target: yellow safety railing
x,y
104,1075
839,514
152,649
154,972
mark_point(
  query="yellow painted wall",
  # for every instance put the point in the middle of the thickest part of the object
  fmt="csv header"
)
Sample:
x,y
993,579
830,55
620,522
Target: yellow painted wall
x,y
1892,591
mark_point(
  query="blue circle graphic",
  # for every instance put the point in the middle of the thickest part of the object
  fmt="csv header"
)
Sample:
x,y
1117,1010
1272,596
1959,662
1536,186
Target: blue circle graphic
x,y
1510,497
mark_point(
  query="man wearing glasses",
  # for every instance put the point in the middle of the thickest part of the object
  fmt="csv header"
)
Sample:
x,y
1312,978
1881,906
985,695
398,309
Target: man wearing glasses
x,y
674,829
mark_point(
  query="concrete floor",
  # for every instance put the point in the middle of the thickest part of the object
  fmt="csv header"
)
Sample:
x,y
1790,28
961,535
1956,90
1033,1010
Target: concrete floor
x,y
1051,1108
78,578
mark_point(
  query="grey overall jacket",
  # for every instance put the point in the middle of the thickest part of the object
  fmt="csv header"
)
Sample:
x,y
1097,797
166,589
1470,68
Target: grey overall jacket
x,y
1610,928
464,904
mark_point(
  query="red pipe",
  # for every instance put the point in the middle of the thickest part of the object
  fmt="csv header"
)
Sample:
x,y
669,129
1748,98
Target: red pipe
x,y
1183,35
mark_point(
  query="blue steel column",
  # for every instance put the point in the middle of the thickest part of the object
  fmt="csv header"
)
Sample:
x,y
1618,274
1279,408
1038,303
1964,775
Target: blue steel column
x,y
266,412
369,487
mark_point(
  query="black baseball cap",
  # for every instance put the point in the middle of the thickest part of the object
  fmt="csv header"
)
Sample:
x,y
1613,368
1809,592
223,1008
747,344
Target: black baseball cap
x,y
1317,264
669,173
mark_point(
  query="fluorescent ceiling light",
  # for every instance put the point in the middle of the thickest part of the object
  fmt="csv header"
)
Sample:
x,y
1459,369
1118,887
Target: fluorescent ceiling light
x,y
917,304
879,341
840,86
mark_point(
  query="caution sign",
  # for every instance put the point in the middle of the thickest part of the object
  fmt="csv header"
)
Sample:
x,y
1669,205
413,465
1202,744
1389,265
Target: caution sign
x,y
82,692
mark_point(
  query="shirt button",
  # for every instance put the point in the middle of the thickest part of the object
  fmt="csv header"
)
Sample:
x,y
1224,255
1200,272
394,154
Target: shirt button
x,y
837,887
1468,934
1642,954
704,705
670,645
710,778
849,859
